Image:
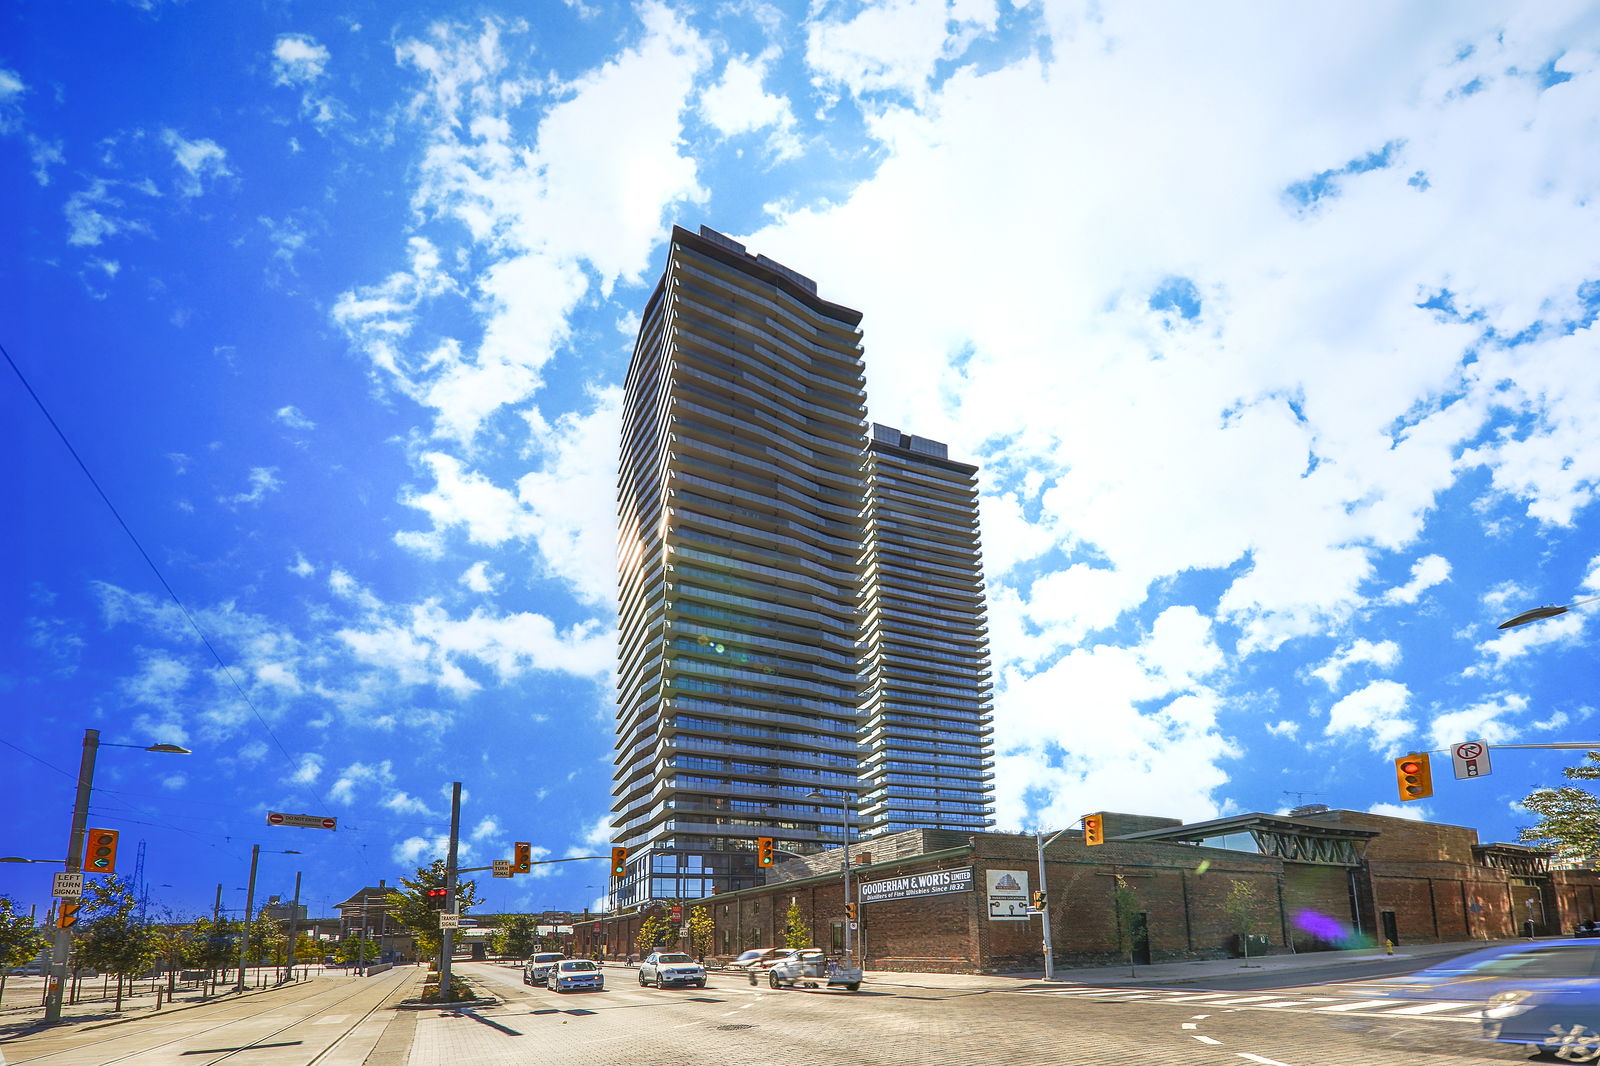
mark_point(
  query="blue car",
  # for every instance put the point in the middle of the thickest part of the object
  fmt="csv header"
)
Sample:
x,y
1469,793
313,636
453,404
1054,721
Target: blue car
x,y
1544,994
576,975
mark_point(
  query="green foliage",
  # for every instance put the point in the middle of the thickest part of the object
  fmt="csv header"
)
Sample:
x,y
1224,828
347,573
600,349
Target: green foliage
x,y
411,907
518,937
110,939
1243,908
654,932
1125,907
702,932
20,940
795,932
356,951
268,940
1569,817
216,945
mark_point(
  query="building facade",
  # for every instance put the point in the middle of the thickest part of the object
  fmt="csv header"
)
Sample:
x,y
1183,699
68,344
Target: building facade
x,y
942,901
748,700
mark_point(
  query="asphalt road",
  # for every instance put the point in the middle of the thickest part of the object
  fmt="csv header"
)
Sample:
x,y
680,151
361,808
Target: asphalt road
x,y
897,1020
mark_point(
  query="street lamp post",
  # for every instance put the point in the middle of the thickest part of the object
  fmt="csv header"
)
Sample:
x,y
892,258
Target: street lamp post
x,y
1044,912
249,909
1540,613
62,945
844,804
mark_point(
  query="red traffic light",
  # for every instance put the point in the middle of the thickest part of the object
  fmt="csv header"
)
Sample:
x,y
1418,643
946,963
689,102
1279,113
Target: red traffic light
x,y
1414,777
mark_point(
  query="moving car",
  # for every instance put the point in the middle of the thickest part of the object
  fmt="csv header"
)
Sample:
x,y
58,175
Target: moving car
x,y
537,971
577,975
810,968
664,968
1545,994
758,961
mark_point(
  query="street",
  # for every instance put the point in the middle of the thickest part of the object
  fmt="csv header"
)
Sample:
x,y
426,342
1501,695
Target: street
x,y
895,1019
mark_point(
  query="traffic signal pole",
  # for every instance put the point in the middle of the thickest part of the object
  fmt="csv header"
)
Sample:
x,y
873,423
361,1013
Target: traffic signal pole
x,y
1044,912
447,936
249,906
62,946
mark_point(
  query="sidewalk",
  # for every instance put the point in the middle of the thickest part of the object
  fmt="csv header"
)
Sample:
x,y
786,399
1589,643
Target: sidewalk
x,y
23,1007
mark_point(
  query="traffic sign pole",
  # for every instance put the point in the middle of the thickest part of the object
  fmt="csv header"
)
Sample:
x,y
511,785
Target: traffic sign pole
x,y
62,946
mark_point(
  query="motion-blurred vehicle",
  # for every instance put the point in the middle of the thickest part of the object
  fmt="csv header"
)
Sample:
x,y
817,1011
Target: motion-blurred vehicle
x,y
1544,994
810,968
758,961
665,968
537,971
577,975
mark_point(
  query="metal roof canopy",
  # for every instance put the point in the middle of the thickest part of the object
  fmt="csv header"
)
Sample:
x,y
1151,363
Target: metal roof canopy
x,y
1289,839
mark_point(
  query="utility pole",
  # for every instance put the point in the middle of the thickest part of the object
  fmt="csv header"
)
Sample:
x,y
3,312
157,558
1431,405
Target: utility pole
x,y
62,945
447,936
216,917
249,906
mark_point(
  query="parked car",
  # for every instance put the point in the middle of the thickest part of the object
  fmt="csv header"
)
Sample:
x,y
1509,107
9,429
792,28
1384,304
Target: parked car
x,y
576,975
1545,994
537,971
810,968
758,961
663,968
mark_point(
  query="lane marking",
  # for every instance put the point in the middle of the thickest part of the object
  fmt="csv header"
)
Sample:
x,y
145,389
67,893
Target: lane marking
x,y
1258,1058
1429,1008
1360,1004
1200,1017
1207,1040
1285,1003
1188,1025
1246,999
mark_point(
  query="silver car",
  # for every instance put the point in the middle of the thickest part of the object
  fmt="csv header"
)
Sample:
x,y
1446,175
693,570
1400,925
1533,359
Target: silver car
x,y
665,968
537,972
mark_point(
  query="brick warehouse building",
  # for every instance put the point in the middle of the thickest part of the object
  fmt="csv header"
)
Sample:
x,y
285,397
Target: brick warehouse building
x,y
952,901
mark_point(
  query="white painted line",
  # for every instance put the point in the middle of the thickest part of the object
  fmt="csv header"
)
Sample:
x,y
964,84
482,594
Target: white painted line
x,y
332,1019
1359,1004
1258,1058
1188,1025
1284,1003
1207,1040
1245,999
1200,1017
1430,1008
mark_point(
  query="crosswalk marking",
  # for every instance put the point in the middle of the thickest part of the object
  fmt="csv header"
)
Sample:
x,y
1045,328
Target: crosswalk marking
x,y
1360,1004
1449,1010
332,1019
1241,999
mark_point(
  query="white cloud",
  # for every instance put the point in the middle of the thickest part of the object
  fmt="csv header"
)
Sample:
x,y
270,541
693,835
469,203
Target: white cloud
x,y
309,770
1485,720
1378,709
1383,654
297,58
301,567
263,481
200,161
739,104
357,775
405,803
479,578
1413,811
1427,572
97,212
291,416
485,829
1284,728
893,45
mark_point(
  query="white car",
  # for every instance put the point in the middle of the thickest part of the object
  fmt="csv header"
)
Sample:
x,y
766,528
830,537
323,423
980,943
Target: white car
x,y
538,969
664,968
573,975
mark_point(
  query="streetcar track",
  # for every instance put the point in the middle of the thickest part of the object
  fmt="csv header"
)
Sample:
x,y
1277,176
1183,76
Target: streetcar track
x,y
267,1011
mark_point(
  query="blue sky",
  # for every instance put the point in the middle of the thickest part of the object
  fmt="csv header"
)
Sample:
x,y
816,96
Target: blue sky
x,y
1272,328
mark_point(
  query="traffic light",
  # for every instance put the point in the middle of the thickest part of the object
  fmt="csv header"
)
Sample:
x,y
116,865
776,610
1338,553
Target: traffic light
x,y
68,916
619,861
1414,776
1038,900
1094,829
437,898
766,854
850,911
100,851
523,863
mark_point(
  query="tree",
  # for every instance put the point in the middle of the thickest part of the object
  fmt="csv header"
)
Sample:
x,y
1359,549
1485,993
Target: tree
x,y
1569,816
519,936
216,944
20,940
175,947
795,932
1125,907
654,932
356,951
413,911
267,938
111,940
1243,908
702,933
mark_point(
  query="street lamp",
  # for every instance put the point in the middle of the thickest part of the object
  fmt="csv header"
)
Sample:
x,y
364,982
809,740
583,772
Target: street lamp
x,y
844,804
1541,613
19,858
249,909
62,945
1044,911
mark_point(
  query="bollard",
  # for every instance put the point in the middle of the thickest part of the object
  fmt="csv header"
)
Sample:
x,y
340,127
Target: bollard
x,y
159,991
1388,947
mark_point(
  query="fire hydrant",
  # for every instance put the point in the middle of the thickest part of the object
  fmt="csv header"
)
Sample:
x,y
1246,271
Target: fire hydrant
x,y
1388,947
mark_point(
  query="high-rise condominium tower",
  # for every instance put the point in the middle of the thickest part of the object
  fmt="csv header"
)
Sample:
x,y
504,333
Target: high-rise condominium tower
x,y
796,641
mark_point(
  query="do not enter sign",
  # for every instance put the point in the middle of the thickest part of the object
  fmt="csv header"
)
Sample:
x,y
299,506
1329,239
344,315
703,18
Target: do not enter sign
x,y
302,821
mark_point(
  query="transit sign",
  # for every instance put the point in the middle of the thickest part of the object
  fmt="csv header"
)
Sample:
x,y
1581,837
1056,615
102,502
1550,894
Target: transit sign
x,y
1471,759
302,821
448,920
